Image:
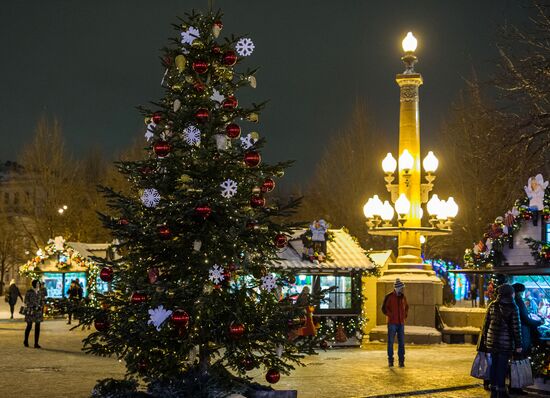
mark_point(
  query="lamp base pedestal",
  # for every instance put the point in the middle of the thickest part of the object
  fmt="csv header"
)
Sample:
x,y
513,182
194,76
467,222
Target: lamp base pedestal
x,y
423,290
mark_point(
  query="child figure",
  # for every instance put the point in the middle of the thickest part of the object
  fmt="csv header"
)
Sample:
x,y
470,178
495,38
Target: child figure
x,y
535,192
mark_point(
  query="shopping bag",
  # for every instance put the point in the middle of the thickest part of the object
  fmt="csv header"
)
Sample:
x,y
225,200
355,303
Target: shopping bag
x,y
521,374
481,367
23,310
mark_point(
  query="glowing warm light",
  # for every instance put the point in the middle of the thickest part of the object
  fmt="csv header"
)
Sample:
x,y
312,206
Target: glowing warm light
x,y
433,205
389,164
402,205
60,211
442,210
377,205
422,239
409,43
65,207
430,163
39,253
406,160
387,211
452,207
368,210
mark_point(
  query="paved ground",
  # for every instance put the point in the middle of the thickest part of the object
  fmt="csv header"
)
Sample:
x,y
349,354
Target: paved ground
x,y
60,369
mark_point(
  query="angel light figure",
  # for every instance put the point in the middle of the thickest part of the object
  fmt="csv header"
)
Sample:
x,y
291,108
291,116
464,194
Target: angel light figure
x,y
535,192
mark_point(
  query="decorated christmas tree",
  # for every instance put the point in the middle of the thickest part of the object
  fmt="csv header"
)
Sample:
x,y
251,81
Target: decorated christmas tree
x,y
194,304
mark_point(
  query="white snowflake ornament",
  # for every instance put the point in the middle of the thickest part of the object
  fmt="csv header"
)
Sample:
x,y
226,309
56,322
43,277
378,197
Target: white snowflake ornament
x,y
157,316
244,47
269,282
192,135
229,188
217,97
188,36
215,274
247,141
150,132
150,197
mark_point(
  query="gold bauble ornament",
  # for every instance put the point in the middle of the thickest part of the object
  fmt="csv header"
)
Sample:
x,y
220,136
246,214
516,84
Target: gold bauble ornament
x,y
280,173
197,44
252,81
184,181
147,120
176,87
254,135
256,190
180,62
253,117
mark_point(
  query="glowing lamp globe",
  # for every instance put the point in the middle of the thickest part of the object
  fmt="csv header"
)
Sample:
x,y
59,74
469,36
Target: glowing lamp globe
x,y
409,43
402,205
368,209
452,208
442,210
377,205
387,211
422,239
406,161
389,164
433,205
430,163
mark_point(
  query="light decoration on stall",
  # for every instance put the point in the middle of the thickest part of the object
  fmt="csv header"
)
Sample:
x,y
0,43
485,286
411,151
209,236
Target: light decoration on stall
x,y
459,283
533,207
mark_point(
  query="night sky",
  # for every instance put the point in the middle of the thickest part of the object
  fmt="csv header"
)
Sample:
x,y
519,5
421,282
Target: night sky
x,y
91,62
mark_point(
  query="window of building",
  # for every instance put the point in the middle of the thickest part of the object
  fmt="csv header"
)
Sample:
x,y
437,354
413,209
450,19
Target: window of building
x,y
16,198
339,298
6,198
547,233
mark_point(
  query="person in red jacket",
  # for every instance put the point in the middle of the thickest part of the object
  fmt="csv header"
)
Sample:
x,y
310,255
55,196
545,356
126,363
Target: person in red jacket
x,y
396,309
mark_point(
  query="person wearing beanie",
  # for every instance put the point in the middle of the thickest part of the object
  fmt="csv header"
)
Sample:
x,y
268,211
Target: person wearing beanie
x,y
501,336
396,309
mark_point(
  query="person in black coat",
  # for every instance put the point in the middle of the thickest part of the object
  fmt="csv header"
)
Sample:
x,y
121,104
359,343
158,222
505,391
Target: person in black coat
x,y
13,294
528,326
501,337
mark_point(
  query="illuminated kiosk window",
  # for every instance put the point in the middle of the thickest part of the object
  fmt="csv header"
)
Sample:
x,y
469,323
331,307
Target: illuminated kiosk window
x,y
547,232
535,297
341,297
81,276
53,282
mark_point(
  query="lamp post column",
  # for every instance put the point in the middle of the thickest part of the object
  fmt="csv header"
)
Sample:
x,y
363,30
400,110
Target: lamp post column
x,y
409,251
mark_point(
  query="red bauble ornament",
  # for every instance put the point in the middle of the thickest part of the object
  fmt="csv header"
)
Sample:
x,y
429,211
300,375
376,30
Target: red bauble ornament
x,y
202,115
272,376
233,130
180,319
216,50
268,185
153,275
323,344
162,148
232,267
203,211
527,215
252,224
547,255
164,232
229,58
123,221
230,103
236,331
199,87
106,274
280,240
248,363
219,24
257,201
226,276
200,66
252,158
101,325
138,297
146,170
546,217
157,117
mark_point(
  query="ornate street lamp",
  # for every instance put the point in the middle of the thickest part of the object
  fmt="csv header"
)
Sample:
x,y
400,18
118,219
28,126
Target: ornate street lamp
x,y
408,193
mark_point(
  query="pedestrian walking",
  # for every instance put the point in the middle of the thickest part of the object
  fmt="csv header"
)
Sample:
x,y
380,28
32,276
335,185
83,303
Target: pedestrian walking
x,y
501,337
473,295
34,304
396,309
528,328
75,295
12,295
